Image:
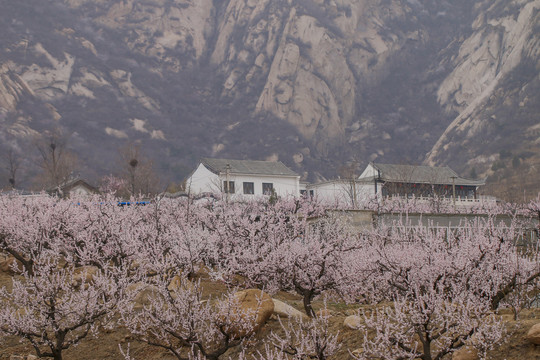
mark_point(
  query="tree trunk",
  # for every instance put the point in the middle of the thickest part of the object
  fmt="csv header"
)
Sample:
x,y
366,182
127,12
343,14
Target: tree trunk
x,y
427,350
308,296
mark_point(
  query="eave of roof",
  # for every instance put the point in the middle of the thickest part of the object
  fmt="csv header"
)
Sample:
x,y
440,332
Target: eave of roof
x,y
248,167
421,174
342,182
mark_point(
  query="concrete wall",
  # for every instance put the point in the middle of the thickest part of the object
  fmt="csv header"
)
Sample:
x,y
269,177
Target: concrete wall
x,y
367,219
361,219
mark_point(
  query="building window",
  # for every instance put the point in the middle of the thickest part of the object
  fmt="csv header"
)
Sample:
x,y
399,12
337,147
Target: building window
x,y
267,188
249,188
228,189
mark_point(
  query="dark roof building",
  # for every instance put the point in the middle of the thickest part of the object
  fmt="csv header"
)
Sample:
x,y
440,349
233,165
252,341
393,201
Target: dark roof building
x,y
419,180
419,174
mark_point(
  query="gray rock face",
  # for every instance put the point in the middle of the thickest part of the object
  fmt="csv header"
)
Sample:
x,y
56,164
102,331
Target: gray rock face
x,y
499,44
310,82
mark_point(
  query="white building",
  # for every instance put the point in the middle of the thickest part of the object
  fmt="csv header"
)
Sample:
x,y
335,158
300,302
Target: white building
x,y
342,191
419,181
391,180
243,178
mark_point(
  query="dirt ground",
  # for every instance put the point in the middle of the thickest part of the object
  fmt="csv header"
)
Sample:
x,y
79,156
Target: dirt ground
x,y
106,344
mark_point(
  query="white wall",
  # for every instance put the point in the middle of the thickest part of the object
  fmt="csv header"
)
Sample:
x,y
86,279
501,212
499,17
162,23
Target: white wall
x,y
340,192
203,180
283,186
79,190
369,172
335,193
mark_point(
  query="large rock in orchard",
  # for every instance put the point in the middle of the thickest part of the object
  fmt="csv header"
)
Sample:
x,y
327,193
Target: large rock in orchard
x,y
466,353
23,357
285,310
533,335
252,305
352,321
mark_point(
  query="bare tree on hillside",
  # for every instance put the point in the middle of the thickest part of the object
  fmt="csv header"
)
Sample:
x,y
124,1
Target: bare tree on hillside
x,y
137,171
55,159
12,163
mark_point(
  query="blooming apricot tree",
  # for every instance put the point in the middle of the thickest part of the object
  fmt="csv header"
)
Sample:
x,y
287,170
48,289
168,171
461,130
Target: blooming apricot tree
x,y
30,227
52,310
442,286
179,320
428,325
280,247
302,340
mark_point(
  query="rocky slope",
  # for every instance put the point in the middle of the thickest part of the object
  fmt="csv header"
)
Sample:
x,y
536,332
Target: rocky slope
x,y
315,83
494,87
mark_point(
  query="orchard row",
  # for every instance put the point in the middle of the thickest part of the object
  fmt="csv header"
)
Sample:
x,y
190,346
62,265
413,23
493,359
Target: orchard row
x,y
83,264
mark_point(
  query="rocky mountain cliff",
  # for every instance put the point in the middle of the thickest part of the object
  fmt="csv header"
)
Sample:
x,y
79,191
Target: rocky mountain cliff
x,y
314,83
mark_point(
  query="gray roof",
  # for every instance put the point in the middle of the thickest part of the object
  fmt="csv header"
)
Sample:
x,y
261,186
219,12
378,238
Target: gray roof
x,y
71,183
248,167
422,174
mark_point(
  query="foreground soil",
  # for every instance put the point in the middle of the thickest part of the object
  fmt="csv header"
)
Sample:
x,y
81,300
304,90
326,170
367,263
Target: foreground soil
x,y
107,344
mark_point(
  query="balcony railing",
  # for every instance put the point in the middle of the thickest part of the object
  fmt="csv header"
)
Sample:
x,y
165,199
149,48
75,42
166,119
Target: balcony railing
x,y
459,200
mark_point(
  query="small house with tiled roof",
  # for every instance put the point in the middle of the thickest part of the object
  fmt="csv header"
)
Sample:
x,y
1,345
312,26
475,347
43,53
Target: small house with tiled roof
x,y
243,178
73,187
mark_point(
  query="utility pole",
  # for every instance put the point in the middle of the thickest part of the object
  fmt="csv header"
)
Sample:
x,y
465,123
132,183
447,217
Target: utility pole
x,y
133,164
354,191
227,172
354,166
454,191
